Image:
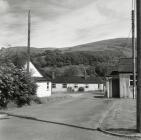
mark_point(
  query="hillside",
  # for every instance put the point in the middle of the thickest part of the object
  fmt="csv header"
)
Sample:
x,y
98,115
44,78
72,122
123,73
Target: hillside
x,y
117,46
94,57
114,45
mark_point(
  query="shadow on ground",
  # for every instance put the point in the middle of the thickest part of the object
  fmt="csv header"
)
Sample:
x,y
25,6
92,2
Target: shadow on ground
x,y
99,96
122,130
52,122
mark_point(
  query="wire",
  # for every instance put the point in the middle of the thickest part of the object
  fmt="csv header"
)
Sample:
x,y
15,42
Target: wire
x,y
128,37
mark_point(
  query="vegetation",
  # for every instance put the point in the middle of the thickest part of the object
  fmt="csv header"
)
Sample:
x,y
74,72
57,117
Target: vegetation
x,y
95,57
92,58
75,63
58,59
15,84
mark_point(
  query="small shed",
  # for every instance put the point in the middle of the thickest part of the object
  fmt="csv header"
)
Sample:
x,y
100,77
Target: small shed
x,y
119,83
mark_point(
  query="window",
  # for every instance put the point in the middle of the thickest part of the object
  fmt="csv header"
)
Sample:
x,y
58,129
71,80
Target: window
x,y
64,85
53,85
87,86
131,80
47,85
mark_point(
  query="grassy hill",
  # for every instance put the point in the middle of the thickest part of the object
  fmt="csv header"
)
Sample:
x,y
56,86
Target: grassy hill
x,y
95,56
117,46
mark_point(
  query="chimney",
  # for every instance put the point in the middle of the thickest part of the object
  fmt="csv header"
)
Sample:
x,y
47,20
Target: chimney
x,y
53,75
85,74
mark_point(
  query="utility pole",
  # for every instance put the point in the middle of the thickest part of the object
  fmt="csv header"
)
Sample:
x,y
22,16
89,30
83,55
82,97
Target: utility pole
x,y
133,50
138,5
28,43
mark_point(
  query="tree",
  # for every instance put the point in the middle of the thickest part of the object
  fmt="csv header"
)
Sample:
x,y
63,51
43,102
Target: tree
x,y
4,55
19,60
15,85
73,71
91,70
101,69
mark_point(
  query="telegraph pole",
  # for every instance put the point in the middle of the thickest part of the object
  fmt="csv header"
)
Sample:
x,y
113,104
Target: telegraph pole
x,y
133,51
28,43
138,5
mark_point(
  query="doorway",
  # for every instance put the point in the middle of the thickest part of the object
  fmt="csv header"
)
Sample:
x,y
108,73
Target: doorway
x,y
115,88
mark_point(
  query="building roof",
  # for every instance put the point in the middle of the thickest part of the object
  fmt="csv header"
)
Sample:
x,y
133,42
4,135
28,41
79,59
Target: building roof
x,y
45,76
125,65
112,70
40,79
78,79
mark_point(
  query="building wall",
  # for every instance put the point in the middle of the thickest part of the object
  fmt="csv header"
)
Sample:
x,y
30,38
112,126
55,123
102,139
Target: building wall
x,y
109,88
101,87
125,88
43,89
91,87
59,88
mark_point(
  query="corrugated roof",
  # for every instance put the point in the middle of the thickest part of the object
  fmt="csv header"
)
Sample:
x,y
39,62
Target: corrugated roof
x,y
125,65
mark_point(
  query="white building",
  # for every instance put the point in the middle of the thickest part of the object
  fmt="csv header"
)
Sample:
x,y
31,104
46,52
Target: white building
x,y
76,84
43,83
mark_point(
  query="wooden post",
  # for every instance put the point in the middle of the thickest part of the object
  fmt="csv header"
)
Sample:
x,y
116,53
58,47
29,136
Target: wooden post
x,y
138,4
28,43
133,53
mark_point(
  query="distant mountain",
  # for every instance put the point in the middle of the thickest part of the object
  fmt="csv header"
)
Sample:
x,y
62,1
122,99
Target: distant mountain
x,y
116,46
23,49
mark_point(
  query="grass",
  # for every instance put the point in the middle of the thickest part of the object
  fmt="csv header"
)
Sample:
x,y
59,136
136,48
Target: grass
x,y
122,118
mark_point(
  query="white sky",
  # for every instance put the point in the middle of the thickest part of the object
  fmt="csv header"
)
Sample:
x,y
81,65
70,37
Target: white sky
x,y
63,23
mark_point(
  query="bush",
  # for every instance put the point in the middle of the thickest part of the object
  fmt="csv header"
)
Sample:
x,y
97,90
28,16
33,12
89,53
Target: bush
x,y
37,100
15,85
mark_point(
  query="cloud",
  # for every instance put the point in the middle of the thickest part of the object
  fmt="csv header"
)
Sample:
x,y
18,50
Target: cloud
x,y
3,6
85,24
62,23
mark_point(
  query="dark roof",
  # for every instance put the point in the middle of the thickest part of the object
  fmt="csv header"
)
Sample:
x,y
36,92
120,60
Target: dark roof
x,y
125,65
112,70
78,79
40,79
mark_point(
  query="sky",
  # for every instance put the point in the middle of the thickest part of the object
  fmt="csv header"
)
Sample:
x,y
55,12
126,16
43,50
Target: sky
x,y
63,23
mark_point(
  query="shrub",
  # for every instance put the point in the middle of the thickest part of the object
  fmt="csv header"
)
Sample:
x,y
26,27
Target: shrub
x,y
37,100
15,85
